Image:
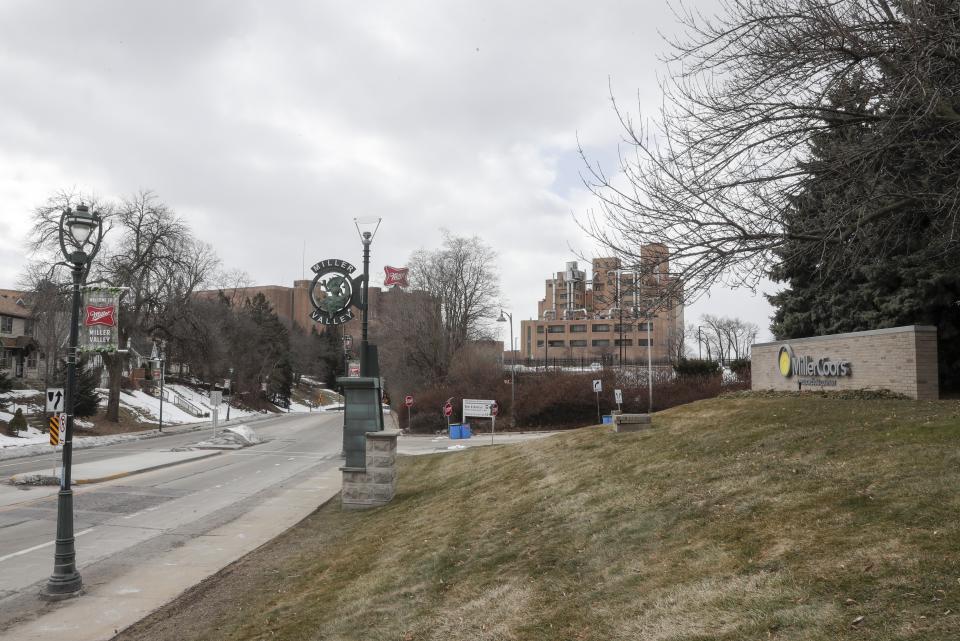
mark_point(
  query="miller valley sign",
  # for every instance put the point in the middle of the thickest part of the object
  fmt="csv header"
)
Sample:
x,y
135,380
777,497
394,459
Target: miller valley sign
x,y
333,292
99,327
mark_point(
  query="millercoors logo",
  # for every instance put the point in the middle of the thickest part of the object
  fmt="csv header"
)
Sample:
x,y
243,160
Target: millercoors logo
x,y
791,364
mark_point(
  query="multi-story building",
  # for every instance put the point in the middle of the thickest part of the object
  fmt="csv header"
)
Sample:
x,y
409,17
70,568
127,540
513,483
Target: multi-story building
x,y
19,356
607,317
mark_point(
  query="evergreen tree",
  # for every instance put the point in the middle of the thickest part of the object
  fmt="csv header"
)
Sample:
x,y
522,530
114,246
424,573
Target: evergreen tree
x,y
895,278
87,400
6,385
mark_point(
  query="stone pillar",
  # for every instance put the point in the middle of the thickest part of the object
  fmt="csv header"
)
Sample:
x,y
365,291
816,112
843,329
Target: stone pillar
x,y
376,483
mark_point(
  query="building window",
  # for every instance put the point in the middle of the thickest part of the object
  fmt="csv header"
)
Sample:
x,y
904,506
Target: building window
x,y
555,329
556,343
578,328
626,329
601,342
601,328
6,324
642,342
578,343
539,343
28,327
539,329
642,327
627,342
32,360
4,359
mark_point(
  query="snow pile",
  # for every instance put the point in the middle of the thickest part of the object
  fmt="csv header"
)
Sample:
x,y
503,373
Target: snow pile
x,y
30,436
246,434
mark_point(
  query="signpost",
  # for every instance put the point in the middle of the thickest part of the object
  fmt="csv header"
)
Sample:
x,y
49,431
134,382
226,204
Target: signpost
x,y
408,401
216,397
494,410
448,412
618,398
55,399
597,388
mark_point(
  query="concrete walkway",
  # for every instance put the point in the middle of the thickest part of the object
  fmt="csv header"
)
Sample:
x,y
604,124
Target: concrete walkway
x,y
105,609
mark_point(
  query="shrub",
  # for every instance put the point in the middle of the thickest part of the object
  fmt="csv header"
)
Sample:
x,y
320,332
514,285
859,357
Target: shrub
x,y
741,369
18,423
692,367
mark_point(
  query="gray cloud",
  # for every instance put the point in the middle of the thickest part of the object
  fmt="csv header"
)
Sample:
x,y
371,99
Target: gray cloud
x,y
270,126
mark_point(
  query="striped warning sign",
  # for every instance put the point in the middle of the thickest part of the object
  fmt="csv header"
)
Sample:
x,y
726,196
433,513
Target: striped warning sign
x,y
54,430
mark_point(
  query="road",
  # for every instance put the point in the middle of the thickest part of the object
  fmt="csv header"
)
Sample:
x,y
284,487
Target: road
x,y
128,521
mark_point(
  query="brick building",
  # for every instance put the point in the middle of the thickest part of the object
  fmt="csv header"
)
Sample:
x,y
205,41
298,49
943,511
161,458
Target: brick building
x,y
19,355
605,317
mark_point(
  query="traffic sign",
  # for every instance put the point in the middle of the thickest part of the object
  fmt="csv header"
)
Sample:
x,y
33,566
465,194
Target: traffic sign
x,y
447,409
216,397
477,408
618,396
55,400
55,430
494,409
408,400
598,386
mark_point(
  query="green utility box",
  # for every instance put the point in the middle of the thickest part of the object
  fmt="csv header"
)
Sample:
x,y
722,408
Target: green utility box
x,y
363,413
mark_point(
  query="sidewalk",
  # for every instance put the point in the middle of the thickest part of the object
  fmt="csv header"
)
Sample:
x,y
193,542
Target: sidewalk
x,y
103,609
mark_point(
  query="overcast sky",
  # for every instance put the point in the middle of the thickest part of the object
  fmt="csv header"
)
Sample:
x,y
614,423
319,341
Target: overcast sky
x,y
271,125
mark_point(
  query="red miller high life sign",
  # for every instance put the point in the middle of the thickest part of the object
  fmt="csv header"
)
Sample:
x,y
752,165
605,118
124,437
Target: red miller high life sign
x,y
395,276
99,322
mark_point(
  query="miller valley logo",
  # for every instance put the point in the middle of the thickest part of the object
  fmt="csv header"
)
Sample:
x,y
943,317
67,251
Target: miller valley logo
x,y
792,365
332,292
100,316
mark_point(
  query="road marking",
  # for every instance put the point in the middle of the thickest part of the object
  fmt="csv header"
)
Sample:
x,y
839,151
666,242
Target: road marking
x,y
37,547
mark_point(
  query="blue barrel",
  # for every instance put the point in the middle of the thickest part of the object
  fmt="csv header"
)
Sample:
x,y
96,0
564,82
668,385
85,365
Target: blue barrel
x,y
455,431
465,431
607,419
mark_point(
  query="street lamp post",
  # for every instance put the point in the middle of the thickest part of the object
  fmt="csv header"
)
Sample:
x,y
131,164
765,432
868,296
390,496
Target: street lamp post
x,y
162,359
505,317
367,228
81,233
229,387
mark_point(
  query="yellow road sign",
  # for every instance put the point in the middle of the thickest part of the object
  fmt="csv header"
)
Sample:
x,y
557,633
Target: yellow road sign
x,y
54,430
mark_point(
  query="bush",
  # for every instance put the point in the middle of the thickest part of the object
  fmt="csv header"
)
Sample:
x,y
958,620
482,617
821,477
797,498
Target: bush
x,y
18,423
426,423
741,369
693,367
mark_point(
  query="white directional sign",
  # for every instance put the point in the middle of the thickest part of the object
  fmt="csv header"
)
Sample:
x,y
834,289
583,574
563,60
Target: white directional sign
x,y
477,408
618,396
598,386
216,397
55,400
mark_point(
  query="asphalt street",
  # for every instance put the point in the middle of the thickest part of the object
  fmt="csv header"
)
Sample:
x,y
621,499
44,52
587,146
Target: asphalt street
x,y
130,520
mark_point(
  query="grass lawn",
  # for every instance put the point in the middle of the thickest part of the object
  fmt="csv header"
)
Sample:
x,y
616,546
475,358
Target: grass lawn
x,y
736,518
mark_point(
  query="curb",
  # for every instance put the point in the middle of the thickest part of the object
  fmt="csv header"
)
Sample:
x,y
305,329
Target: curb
x,y
120,475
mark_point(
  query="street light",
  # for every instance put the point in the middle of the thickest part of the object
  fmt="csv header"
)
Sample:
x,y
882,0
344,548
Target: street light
x,y
367,228
230,395
513,362
81,233
161,360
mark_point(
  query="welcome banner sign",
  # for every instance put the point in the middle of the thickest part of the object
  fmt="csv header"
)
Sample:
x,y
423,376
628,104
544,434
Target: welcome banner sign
x,y
99,320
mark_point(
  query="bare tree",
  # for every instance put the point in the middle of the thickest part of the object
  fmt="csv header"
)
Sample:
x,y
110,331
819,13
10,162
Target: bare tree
x,y
747,93
148,250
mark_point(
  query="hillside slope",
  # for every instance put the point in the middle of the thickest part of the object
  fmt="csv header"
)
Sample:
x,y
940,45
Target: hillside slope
x,y
759,518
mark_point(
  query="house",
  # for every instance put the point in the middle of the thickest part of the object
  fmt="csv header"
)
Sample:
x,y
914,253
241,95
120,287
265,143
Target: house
x,y
20,356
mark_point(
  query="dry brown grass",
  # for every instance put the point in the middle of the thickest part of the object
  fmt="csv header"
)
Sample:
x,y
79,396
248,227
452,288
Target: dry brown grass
x,y
738,518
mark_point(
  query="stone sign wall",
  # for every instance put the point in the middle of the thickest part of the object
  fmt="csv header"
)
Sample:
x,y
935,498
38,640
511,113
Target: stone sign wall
x,y
899,359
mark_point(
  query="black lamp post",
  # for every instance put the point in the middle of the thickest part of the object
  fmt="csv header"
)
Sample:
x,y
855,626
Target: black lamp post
x,y
367,228
81,233
504,317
